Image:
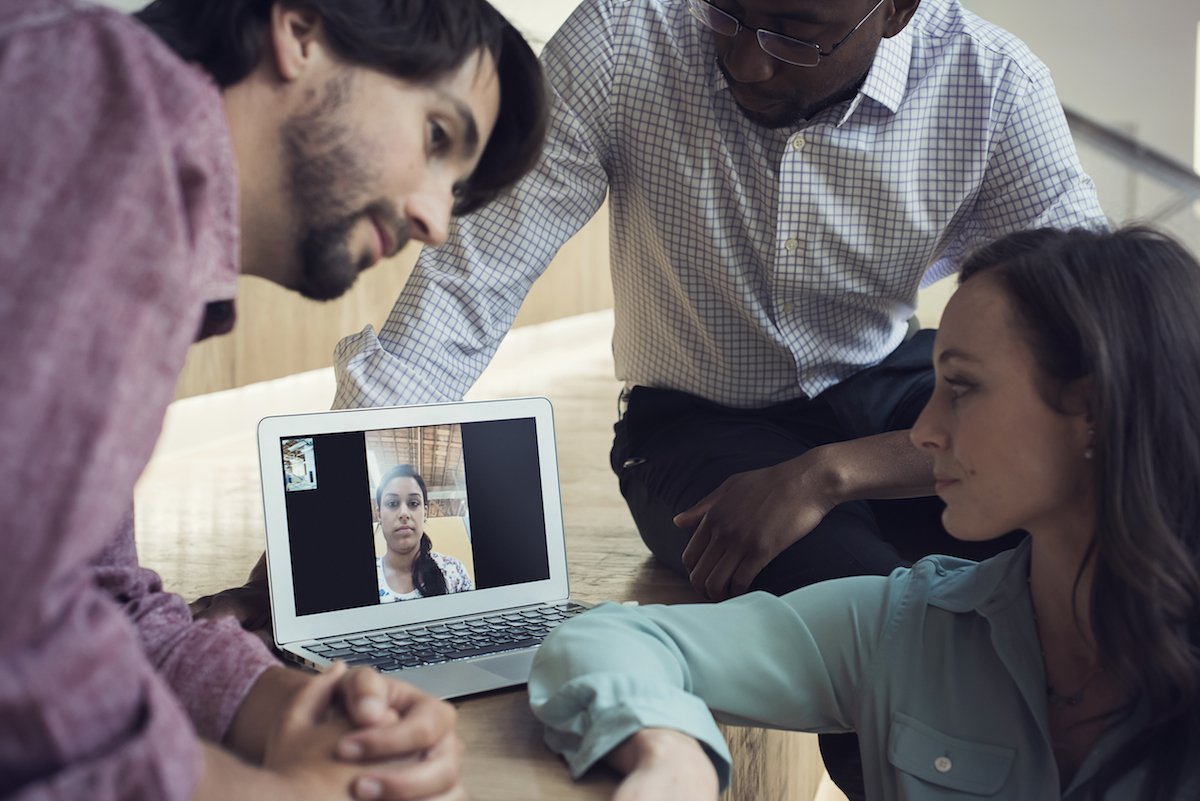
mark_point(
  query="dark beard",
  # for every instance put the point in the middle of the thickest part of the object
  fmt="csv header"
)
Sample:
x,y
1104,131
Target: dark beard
x,y
786,119
795,114
319,164
327,269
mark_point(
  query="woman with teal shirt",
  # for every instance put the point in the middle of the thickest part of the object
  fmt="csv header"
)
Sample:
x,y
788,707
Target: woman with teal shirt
x,y
1067,405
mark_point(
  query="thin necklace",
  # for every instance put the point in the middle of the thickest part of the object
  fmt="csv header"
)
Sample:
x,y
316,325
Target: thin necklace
x,y
1056,698
1053,696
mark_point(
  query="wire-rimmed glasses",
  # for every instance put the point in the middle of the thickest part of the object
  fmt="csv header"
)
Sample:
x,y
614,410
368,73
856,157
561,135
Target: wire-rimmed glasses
x,y
775,44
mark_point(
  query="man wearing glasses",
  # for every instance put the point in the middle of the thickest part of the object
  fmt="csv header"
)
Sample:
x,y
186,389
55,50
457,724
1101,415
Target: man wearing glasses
x,y
782,175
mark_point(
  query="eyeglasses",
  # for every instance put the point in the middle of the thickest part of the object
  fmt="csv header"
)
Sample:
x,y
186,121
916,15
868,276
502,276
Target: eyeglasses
x,y
784,48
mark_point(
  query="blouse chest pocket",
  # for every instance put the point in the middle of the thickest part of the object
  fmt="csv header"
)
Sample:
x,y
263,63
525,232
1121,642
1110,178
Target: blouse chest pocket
x,y
932,760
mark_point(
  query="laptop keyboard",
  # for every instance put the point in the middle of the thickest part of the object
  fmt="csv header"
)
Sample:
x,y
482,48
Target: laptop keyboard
x,y
414,646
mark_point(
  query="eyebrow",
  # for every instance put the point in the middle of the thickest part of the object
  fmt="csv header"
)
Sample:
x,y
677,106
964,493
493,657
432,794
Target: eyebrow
x,y
807,15
471,136
813,14
955,353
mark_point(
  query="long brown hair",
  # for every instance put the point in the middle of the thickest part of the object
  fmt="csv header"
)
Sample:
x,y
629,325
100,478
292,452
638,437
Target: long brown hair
x,y
1123,308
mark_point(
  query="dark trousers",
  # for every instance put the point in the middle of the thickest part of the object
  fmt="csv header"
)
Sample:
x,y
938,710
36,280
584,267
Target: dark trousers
x,y
671,449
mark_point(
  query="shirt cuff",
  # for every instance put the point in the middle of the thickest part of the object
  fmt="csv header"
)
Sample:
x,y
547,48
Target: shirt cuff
x,y
212,683
584,722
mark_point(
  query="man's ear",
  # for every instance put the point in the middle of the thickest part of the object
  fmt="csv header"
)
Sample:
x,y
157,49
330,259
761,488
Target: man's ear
x,y
902,12
295,40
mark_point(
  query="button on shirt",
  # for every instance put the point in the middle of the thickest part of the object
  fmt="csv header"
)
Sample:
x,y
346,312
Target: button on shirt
x,y
937,668
749,266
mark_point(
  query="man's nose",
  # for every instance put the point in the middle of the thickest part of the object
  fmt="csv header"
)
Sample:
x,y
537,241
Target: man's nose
x,y
746,61
428,211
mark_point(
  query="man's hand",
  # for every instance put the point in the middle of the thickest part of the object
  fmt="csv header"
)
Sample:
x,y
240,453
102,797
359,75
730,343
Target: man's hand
x,y
308,729
663,765
397,741
408,750
753,516
396,720
301,763
750,519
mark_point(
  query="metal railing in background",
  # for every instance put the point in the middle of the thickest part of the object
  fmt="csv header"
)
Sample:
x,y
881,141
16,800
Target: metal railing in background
x,y
1167,188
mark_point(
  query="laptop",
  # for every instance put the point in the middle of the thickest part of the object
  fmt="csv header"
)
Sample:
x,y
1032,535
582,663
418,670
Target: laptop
x,y
425,541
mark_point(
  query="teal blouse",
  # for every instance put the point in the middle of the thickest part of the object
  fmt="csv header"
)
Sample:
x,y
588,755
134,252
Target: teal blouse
x,y
937,667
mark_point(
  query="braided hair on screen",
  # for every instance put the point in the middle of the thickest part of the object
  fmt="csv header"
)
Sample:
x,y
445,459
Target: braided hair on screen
x,y
426,575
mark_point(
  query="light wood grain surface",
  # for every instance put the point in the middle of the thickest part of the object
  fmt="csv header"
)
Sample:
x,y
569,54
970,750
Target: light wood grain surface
x,y
199,518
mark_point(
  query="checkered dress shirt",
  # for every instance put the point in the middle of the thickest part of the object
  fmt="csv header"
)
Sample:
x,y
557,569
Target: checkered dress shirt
x,y
749,266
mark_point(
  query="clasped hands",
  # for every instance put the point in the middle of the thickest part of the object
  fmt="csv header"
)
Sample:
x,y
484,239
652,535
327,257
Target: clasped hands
x,y
356,733
750,519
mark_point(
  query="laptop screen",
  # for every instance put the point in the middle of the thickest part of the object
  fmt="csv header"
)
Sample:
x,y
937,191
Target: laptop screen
x,y
394,515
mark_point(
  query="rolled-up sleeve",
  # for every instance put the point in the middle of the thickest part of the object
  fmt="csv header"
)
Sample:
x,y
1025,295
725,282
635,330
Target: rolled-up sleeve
x,y
794,662
1034,178
211,688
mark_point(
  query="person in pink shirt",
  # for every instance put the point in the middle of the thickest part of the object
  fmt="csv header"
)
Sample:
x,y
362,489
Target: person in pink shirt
x,y
144,163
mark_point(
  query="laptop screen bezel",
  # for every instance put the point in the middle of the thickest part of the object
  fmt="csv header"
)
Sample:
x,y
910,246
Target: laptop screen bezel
x,y
289,628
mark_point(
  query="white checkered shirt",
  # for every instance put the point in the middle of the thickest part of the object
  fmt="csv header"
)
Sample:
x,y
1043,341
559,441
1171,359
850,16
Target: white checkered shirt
x,y
749,266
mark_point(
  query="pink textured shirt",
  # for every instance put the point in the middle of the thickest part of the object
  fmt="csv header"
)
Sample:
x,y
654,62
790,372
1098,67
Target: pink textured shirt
x,y
118,225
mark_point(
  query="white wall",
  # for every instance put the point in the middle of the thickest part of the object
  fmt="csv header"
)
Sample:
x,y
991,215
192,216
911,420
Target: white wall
x,y
537,19
1131,66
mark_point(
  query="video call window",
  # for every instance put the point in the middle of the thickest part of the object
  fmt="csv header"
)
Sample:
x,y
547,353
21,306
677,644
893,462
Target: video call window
x,y
419,506
409,513
299,466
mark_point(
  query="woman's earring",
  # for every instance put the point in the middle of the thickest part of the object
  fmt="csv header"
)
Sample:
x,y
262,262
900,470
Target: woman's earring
x,y
1089,451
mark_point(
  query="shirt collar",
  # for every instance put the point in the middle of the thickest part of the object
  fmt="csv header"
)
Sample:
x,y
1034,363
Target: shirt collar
x,y
987,587
998,589
888,76
885,83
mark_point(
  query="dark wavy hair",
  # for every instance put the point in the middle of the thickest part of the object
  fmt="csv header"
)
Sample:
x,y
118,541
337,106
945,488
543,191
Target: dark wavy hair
x,y
418,40
426,575
1123,309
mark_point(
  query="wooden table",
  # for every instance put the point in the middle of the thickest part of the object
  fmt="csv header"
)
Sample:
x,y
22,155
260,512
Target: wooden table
x,y
199,520
507,760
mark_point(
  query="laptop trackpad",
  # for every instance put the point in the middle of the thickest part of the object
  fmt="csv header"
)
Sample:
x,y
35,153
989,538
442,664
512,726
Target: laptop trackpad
x,y
454,679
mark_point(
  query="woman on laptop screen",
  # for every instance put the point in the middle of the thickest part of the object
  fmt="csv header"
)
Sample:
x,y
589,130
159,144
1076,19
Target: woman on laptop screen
x,y
1066,404
410,568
